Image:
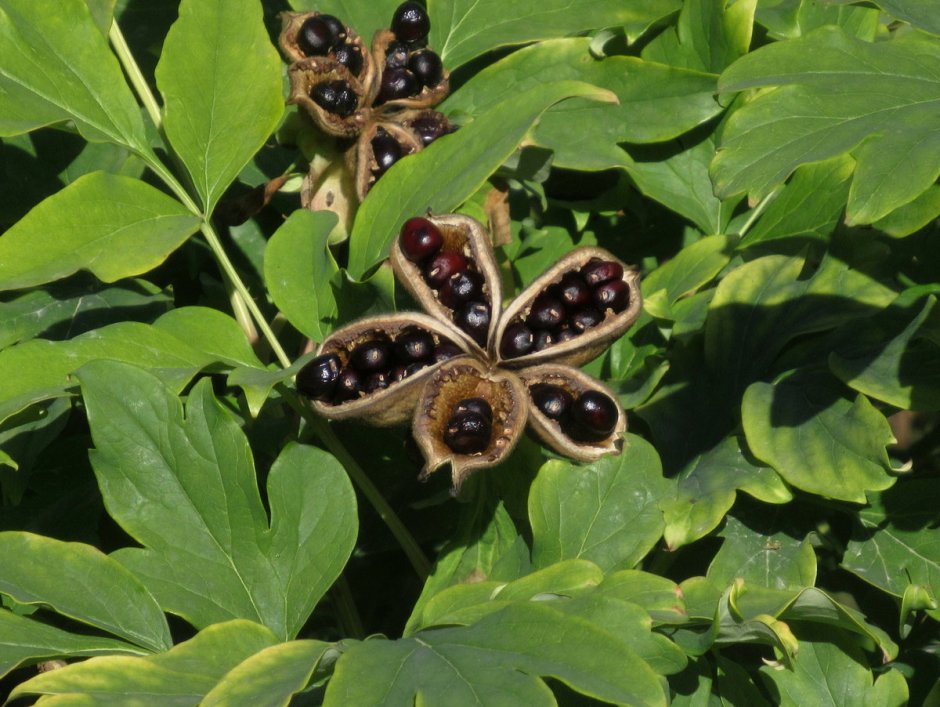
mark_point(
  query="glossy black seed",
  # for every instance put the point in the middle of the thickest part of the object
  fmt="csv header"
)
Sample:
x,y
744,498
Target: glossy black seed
x,y
614,295
462,287
442,267
419,239
377,381
426,67
446,350
547,312
371,356
564,333
586,318
468,433
396,85
397,373
335,97
594,415
317,379
396,56
411,23
429,127
478,406
517,340
543,339
319,34
386,150
348,385
597,271
414,345
553,401
349,56
573,291
474,318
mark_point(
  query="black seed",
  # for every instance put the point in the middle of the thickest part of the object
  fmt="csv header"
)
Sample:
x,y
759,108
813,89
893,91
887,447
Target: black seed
x,y
474,318
595,416
317,379
446,350
397,373
336,26
468,433
573,291
419,239
598,271
586,318
613,295
543,339
429,127
411,23
426,67
386,150
517,340
396,56
377,381
349,56
551,400
348,385
319,34
335,97
414,345
462,287
564,333
396,85
474,405
371,356
547,312
442,267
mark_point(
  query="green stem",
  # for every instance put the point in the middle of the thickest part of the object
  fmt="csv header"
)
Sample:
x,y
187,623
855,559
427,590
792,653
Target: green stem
x,y
135,75
346,612
757,211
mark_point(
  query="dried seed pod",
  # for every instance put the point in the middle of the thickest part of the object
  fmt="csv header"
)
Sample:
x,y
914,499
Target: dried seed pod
x,y
427,125
309,76
425,97
292,42
366,351
467,237
588,341
363,159
564,434
457,381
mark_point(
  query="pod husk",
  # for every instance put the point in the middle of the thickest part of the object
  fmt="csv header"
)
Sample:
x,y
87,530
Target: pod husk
x,y
291,23
456,380
463,234
550,432
362,157
427,97
331,189
306,74
396,404
582,348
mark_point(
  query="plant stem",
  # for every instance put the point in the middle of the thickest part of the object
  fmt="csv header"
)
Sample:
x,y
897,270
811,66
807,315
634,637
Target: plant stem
x,y
757,211
346,612
135,75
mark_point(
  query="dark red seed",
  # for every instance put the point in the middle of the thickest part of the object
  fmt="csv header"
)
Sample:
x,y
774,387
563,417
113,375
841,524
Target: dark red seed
x,y
613,295
386,151
517,340
475,405
349,56
411,23
598,271
414,345
429,127
573,291
586,318
553,401
348,385
595,416
317,379
419,239
426,67
468,433
371,356
547,312
462,287
446,350
396,85
543,339
442,266
319,34
377,381
474,318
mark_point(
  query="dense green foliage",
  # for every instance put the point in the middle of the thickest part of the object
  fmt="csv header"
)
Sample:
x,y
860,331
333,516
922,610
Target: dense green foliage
x,y
178,526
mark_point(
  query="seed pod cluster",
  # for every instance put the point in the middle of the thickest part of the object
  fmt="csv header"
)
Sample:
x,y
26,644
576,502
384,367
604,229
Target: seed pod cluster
x,y
449,371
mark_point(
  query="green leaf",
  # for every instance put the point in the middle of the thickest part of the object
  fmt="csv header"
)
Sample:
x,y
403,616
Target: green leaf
x,y
916,598
607,512
913,216
268,678
462,30
816,439
211,332
896,544
920,13
102,12
211,554
81,582
221,83
300,272
659,597
258,382
364,17
877,101
112,226
788,19
810,204
178,678
56,67
24,641
694,266
655,102
497,661
452,169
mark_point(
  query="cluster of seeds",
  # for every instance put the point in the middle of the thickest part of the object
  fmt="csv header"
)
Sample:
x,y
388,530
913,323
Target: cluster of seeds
x,y
409,66
590,417
580,301
325,35
451,274
470,426
373,365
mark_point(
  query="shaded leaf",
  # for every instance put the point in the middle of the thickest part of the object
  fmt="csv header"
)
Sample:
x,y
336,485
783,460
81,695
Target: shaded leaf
x,y
913,216
920,13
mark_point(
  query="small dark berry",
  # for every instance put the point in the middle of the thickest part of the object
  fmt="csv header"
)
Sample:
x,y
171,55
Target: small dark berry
x,y
419,239
429,127
598,271
396,85
336,26
396,56
613,295
543,339
348,385
386,151
442,266
585,319
547,312
317,379
462,287
468,433
475,405
397,374
349,56
371,356
377,381
565,333
427,67
517,340
414,345
411,23
319,34
573,291
335,97
474,318
553,401
595,416
446,350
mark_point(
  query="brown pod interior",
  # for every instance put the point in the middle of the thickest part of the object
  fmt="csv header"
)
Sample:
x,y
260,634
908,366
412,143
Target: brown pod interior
x,y
564,435
465,237
459,380
307,74
425,97
394,404
367,168
575,333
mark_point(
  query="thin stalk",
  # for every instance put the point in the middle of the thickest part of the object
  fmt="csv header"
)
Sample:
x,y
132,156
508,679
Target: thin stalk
x,y
135,75
346,612
757,211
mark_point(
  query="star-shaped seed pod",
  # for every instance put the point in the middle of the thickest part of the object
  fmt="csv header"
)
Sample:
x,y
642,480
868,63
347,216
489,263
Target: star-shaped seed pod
x,y
469,374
